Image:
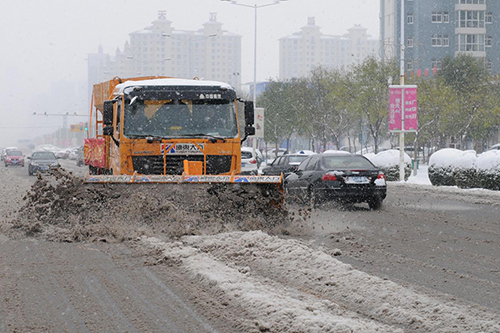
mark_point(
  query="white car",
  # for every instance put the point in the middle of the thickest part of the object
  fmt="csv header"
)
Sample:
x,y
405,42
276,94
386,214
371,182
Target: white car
x,y
250,162
495,147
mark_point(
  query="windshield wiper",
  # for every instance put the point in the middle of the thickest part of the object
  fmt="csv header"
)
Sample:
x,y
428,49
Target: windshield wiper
x,y
212,138
151,138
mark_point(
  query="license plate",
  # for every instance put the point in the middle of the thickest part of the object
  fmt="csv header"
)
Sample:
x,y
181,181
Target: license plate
x,y
14,162
357,180
242,165
44,168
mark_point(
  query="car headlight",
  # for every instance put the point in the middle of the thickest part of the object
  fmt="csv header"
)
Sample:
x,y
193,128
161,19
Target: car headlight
x,y
55,164
34,163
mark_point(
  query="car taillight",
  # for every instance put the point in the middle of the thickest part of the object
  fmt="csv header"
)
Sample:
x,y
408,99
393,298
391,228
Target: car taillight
x,y
381,175
329,176
253,161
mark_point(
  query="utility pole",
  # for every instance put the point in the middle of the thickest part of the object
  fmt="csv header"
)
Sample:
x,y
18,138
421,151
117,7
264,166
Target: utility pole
x,y
402,83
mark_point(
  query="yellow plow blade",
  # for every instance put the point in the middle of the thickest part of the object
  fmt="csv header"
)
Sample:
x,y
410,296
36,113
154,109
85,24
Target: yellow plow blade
x,y
176,179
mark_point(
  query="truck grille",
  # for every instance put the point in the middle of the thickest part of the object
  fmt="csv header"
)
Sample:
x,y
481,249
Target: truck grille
x,y
153,165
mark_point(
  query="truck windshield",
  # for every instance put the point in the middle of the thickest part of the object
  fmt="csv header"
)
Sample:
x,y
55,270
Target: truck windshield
x,y
179,117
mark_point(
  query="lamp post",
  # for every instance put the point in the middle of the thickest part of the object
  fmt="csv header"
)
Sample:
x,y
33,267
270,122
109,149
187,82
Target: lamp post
x,y
255,7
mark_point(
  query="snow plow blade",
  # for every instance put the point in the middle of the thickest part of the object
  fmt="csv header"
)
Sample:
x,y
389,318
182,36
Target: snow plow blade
x,y
176,179
264,192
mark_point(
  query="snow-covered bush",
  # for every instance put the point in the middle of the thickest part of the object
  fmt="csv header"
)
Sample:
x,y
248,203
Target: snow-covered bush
x,y
388,162
488,169
441,166
464,172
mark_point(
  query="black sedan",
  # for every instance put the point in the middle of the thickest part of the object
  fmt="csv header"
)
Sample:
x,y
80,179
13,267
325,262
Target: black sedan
x,y
284,164
41,161
347,178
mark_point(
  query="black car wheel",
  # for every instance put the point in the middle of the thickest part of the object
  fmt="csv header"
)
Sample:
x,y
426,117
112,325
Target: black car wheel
x,y
313,197
375,202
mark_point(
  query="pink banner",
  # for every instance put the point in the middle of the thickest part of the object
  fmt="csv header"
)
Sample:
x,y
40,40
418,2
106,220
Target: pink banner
x,y
410,112
394,109
411,123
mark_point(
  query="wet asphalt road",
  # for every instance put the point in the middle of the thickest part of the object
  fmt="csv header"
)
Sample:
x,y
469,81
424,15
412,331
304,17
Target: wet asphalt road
x,y
440,241
436,241
98,287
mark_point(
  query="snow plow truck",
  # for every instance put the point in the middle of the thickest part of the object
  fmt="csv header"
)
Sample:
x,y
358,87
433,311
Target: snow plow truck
x,y
152,130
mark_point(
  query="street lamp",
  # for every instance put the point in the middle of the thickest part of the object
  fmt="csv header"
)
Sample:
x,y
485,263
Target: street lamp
x,y
255,7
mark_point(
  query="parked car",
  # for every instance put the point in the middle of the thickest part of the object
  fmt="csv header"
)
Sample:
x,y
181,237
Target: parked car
x,y
250,162
13,157
284,164
63,153
41,161
495,147
80,160
346,178
73,153
273,153
2,156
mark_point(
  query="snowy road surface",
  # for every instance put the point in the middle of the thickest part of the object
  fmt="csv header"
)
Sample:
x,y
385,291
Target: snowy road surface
x,y
426,262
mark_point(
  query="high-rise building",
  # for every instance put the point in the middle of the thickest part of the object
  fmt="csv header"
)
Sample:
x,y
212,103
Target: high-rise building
x,y
309,48
435,29
210,53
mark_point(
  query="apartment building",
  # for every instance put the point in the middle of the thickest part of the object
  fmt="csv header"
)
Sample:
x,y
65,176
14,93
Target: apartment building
x,y
435,29
209,53
302,51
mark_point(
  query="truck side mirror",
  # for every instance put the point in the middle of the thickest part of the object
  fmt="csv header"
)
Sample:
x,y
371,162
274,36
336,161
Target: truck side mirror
x,y
107,113
249,130
249,114
108,130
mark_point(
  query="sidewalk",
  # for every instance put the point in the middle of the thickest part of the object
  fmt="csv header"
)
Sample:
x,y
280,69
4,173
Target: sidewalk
x,y
422,176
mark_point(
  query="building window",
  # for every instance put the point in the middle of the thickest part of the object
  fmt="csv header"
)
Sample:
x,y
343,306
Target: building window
x,y
488,41
437,17
470,2
446,41
488,18
436,63
409,18
470,43
436,40
409,42
470,19
446,17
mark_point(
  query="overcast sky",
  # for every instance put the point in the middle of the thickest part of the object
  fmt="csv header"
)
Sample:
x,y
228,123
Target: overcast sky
x,y
45,43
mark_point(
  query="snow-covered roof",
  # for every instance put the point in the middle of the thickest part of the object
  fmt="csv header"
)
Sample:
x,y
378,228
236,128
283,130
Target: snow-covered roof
x,y
170,82
336,152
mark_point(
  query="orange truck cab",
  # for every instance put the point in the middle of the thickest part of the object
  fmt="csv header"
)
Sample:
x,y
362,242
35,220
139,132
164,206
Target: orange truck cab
x,y
165,126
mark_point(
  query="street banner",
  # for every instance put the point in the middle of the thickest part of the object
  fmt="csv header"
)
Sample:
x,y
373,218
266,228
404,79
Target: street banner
x,y
259,122
410,108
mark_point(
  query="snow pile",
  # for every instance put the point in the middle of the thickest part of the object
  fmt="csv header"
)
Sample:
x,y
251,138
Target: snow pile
x,y
61,207
442,164
488,170
489,161
287,286
446,157
389,158
388,162
465,169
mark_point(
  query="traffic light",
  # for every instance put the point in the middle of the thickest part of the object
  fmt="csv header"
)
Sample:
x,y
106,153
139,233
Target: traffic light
x,y
86,127
81,127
